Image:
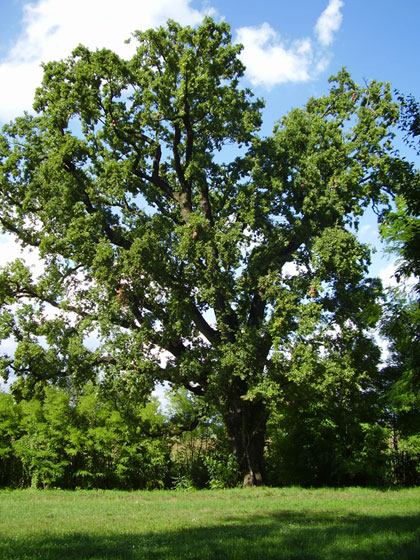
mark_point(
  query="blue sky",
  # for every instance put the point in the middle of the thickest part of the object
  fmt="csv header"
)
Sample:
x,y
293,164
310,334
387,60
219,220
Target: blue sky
x,y
290,48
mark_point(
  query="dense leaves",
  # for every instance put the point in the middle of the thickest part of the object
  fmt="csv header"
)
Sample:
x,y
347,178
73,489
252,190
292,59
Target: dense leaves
x,y
400,229
235,279
82,441
86,440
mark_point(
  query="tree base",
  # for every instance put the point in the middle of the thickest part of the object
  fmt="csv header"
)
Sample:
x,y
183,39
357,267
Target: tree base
x,y
252,479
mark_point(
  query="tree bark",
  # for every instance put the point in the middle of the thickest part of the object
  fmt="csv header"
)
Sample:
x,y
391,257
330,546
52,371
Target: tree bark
x,y
246,423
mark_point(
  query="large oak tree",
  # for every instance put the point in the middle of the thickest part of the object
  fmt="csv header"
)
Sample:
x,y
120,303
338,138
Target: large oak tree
x,y
228,277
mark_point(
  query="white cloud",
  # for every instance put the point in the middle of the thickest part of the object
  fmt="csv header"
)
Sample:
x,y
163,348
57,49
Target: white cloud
x,y
329,22
365,230
291,269
269,61
8,346
387,275
10,250
52,28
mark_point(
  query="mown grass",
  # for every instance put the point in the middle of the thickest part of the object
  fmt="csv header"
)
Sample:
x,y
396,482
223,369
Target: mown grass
x,y
251,524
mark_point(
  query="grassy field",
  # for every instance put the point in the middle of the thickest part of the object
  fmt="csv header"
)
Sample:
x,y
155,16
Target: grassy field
x,y
238,524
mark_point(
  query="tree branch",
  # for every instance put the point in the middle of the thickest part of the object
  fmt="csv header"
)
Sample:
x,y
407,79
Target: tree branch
x,y
184,197
206,330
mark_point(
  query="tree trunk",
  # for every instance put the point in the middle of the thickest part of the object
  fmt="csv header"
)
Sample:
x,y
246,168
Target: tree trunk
x,y
246,423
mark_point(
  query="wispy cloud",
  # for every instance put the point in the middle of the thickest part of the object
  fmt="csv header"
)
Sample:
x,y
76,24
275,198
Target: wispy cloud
x,y
52,28
329,22
270,60
365,230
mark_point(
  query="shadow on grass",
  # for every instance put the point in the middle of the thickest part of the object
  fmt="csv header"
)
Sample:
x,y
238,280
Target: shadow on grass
x,y
286,536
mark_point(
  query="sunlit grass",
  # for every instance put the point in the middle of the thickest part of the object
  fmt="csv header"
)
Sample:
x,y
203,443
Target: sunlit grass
x,y
238,524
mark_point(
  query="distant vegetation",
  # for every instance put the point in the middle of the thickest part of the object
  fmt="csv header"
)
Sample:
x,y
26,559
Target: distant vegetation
x,y
91,439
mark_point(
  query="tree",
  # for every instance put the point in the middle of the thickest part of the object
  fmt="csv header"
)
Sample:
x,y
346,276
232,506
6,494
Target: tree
x,y
222,276
328,431
400,225
400,229
401,328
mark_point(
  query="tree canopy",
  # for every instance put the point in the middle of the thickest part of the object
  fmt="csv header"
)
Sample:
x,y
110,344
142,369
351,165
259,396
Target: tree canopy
x,y
237,278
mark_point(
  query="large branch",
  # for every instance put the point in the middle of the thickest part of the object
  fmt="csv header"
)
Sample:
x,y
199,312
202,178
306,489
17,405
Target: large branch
x,y
164,373
203,187
184,197
257,310
206,330
190,132
132,141
28,239
32,293
162,186
205,201
114,235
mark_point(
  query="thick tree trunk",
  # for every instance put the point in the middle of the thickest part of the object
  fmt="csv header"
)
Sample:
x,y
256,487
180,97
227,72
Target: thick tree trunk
x,y
246,423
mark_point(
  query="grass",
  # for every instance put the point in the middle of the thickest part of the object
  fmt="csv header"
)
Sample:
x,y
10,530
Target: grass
x,y
248,524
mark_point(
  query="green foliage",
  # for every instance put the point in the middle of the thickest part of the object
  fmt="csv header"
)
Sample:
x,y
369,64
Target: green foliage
x,y
401,231
179,259
200,456
400,325
43,448
400,227
401,383
81,440
329,433
223,470
410,120
10,431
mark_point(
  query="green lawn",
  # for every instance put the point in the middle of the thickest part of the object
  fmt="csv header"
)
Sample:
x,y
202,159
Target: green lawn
x,y
238,524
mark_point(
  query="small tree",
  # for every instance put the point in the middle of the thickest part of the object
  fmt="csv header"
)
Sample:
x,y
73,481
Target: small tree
x,y
210,274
